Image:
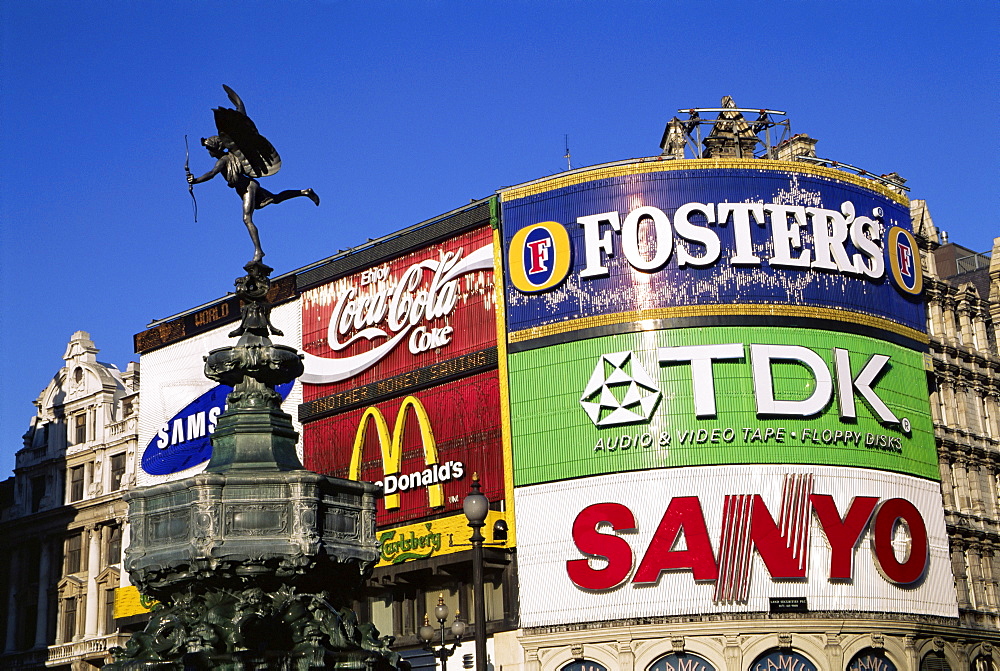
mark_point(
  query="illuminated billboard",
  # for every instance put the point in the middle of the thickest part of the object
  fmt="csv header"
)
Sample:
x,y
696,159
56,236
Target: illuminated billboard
x,y
729,539
723,395
425,307
180,406
678,239
422,447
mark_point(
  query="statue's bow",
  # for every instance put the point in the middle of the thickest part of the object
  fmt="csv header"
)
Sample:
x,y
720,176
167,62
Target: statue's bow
x,y
187,171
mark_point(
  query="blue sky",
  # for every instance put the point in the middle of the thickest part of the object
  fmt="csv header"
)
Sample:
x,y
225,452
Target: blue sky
x,y
396,112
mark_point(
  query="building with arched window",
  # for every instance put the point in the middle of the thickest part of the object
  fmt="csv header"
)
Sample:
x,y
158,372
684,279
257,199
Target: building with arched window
x,y
64,521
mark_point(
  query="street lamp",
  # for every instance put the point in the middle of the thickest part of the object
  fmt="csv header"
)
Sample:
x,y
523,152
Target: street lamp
x,y
476,507
427,633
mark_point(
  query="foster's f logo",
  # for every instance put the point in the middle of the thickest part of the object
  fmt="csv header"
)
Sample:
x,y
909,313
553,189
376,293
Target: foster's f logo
x,y
905,262
539,257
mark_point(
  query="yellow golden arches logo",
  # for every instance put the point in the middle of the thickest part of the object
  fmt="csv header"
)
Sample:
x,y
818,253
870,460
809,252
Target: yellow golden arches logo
x,y
391,446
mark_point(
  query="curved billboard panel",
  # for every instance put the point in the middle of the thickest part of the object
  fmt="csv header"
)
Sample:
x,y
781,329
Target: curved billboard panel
x,y
422,308
180,406
719,539
722,395
423,448
640,241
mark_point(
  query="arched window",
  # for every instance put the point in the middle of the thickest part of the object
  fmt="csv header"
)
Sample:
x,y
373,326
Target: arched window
x,y
934,661
871,659
782,659
684,661
984,663
583,665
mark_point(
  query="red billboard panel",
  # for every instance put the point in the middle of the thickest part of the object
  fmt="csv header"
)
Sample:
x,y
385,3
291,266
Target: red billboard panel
x,y
423,447
421,308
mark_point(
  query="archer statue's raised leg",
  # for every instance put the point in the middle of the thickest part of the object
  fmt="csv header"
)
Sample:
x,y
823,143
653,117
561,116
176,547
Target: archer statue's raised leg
x,y
272,199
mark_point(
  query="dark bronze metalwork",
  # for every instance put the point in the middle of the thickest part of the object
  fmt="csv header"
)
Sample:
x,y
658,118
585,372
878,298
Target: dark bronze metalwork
x,y
255,560
243,156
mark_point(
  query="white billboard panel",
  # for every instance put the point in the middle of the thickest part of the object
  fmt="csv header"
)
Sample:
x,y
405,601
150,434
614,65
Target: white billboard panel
x,y
179,405
731,539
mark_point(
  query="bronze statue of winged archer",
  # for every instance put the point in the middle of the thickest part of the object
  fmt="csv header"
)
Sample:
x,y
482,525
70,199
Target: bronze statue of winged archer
x,y
242,156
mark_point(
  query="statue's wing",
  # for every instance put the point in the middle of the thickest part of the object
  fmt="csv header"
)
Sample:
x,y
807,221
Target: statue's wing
x,y
239,135
240,107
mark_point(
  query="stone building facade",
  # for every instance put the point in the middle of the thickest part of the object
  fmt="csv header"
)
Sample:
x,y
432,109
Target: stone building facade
x,y
63,519
963,292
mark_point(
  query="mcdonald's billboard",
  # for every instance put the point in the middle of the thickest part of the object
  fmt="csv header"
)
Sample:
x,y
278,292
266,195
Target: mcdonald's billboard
x,y
423,447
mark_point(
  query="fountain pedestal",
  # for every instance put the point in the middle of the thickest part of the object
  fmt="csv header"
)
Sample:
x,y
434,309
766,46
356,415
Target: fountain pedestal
x,y
254,560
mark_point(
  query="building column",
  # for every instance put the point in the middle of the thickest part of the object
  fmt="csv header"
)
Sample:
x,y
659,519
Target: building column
x,y
626,656
950,334
989,577
834,651
948,415
987,502
975,488
13,583
44,581
979,326
961,391
910,645
976,576
733,653
935,399
947,484
965,323
93,568
992,415
961,485
531,662
936,323
958,568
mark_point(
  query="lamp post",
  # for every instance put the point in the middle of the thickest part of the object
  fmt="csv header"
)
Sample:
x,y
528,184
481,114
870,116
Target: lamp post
x,y
476,507
427,633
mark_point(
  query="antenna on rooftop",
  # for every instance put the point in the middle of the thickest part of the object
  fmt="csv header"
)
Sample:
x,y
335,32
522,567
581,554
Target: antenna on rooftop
x,y
569,166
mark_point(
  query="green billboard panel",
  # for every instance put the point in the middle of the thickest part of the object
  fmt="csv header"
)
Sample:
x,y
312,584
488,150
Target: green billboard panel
x,y
715,396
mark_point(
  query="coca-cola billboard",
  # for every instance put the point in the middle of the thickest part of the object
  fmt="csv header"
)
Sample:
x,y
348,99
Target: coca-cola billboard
x,y
428,306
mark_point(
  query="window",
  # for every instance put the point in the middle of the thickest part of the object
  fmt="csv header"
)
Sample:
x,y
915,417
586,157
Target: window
x,y
37,493
69,619
74,554
109,611
870,658
80,426
934,661
126,408
381,612
117,471
984,663
682,660
114,553
76,483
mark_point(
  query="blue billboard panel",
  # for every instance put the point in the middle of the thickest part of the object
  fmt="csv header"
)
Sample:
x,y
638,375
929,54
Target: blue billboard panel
x,y
185,440
650,241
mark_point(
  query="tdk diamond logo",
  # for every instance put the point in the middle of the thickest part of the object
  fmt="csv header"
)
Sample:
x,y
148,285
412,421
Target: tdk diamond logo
x,y
619,376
